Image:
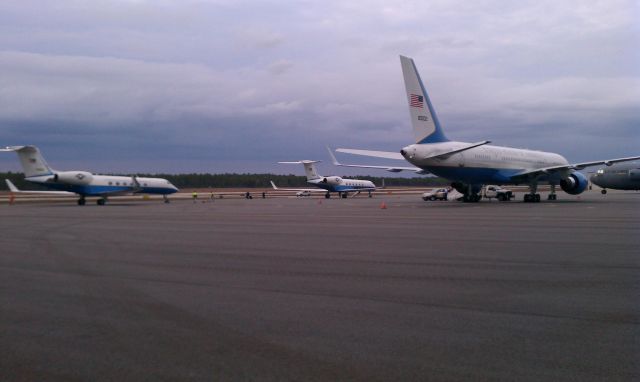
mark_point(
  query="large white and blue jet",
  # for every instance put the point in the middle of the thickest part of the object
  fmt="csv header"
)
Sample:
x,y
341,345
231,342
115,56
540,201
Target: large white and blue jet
x,y
83,183
471,165
328,184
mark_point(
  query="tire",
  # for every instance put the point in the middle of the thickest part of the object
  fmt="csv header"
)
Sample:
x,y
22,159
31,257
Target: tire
x,y
604,192
432,198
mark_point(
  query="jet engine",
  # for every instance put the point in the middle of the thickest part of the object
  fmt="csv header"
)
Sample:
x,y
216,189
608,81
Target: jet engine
x,y
76,178
332,180
574,184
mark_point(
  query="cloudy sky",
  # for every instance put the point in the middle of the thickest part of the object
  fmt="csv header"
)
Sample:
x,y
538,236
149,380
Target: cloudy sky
x,y
234,86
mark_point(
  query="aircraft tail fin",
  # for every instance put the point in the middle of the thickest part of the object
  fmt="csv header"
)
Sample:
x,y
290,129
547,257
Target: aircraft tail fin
x,y
32,161
309,168
425,123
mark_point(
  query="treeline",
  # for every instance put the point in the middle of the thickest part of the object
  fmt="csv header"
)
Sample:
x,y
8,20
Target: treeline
x,y
244,180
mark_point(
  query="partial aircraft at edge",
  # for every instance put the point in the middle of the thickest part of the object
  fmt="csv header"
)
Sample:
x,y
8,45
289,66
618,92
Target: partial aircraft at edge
x,y
623,176
83,183
329,184
470,165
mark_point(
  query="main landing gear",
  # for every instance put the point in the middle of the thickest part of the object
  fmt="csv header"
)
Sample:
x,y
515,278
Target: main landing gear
x,y
101,202
327,195
471,198
552,194
532,196
166,199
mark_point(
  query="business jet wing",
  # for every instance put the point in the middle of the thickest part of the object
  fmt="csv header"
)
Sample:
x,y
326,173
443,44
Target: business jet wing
x,y
568,167
16,190
297,189
388,168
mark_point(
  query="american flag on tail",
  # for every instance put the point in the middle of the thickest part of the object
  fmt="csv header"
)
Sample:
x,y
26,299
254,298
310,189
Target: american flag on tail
x,y
416,101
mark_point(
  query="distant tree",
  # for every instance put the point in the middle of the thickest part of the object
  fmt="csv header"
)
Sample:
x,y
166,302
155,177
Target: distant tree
x,y
230,180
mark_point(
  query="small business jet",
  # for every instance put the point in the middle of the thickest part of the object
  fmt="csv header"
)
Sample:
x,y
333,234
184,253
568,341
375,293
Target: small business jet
x,y
84,183
470,165
328,184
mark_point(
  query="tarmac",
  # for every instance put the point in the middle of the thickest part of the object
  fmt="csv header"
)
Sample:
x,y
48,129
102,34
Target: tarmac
x,y
311,289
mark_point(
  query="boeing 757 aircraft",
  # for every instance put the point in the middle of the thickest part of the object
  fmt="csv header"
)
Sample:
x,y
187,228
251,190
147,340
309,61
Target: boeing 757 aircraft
x,y
329,184
84,183
470,165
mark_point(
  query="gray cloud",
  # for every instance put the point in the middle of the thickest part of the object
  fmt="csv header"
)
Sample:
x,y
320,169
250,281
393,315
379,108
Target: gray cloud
x,y
202,84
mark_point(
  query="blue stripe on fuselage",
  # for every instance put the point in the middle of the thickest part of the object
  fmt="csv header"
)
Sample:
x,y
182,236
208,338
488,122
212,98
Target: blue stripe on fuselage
x,y
479,175
93,190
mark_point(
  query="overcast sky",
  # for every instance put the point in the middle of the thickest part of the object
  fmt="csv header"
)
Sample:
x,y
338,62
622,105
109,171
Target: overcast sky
x,y
234,86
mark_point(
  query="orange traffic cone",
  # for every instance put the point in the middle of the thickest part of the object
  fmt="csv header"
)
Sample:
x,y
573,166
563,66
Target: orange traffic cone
x,y
383,206
12,198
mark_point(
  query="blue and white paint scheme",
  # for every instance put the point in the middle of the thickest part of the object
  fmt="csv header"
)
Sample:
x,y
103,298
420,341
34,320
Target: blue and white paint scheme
x,y
329,184
470,165
84,183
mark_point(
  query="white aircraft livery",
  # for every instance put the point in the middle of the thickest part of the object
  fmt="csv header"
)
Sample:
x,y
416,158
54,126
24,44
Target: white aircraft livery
x,y
84,183
328,184
470,165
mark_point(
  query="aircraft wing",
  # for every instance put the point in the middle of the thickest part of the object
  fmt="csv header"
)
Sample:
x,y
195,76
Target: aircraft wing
x,y
297,189
15,189
575,166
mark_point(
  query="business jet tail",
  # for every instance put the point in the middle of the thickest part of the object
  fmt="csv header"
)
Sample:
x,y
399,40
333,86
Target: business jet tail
x,y
426,127
309,168
31,160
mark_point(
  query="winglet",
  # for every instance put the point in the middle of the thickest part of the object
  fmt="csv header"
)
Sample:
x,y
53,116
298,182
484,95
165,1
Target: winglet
x,y
333,157
273,185
11,186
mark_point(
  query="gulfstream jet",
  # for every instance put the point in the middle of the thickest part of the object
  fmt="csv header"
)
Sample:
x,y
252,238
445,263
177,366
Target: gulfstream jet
x,y
328,184
84,183
470,165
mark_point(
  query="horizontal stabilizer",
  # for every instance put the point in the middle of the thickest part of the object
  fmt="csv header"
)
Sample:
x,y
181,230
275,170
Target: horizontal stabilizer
x,y
388,168
372,153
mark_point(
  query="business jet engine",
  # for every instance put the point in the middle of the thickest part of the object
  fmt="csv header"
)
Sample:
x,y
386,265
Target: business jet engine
x,y
574,184
76,178
335,180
